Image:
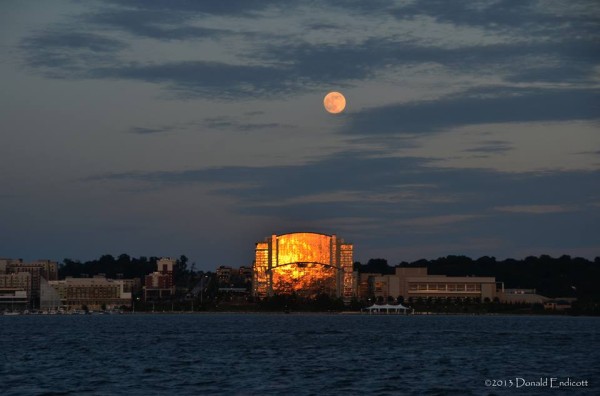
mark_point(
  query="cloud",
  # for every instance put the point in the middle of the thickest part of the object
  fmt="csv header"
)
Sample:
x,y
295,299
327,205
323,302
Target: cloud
x,y
199,78
229,123
149,131
400,202
597,152
380,187
230,7
546,47
69,54
73,41
433,221
539,18
535,209
492,147
152,23
477,107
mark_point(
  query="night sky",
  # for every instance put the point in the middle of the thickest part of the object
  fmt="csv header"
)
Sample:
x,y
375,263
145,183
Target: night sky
x,y
161,128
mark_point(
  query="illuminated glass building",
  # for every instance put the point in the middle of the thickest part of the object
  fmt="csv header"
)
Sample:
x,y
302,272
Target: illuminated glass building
x,y
304,263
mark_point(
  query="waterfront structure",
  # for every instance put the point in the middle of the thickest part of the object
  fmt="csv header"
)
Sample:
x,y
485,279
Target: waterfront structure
x,y
304,263
94,293
559,304
38,271
13,300
15,291
159,284
386,308
521,296
50,299
417,283
16,282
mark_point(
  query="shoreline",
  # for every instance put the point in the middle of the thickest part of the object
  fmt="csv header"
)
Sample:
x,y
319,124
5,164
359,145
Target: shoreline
x,y
297,313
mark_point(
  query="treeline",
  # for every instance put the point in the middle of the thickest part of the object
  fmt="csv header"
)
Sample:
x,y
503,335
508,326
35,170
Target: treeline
x,y
564,276
125,267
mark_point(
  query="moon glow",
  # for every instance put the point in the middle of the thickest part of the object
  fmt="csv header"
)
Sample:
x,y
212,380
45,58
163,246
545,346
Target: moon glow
x,y
334,102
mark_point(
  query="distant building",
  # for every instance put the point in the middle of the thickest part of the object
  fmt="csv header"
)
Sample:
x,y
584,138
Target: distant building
x,y
304,263
5,262
234,277
16,282
224,274
38,270
521,296
50,299
417,283
15,288
159,284
131,285
246,274
93,293
13,300
559,304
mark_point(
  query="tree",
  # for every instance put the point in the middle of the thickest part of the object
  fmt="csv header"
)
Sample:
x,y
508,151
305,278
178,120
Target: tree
x,y
180,271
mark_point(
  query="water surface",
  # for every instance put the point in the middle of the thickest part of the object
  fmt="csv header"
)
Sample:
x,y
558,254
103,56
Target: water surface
x,y
297,354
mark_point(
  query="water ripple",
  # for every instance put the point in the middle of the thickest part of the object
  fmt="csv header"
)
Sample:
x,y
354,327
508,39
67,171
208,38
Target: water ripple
x,y
241,354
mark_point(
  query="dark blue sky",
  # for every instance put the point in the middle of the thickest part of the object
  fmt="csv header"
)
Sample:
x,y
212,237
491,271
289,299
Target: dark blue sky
x,y
177,127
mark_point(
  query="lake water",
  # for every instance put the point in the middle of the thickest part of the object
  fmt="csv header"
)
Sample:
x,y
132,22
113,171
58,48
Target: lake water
x,y
297,354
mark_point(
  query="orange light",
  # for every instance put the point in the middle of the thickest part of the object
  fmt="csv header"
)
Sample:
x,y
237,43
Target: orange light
x,y
307,264
309,281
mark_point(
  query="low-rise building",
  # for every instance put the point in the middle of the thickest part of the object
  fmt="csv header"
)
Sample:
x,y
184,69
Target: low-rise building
x,y
521,296
417,283
13,299
94,293
559,304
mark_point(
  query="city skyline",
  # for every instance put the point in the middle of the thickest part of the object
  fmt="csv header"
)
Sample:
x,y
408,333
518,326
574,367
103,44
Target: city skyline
x,y
170,128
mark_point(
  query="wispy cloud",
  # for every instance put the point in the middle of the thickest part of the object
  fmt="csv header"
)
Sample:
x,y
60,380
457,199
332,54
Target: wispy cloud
x,y
475,107
231,123
536,209
434,221
149,131
541,46
492,147
153,23
359,183
69,53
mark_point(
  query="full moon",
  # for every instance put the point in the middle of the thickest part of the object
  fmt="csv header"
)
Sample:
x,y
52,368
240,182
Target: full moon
x,y
334,102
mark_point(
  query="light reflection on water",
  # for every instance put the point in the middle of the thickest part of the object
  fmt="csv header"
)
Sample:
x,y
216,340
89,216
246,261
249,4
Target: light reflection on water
x,y
319,354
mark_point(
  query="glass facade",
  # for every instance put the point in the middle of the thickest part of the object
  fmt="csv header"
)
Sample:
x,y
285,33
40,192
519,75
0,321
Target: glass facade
x,y
305,279
415,287
307,264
